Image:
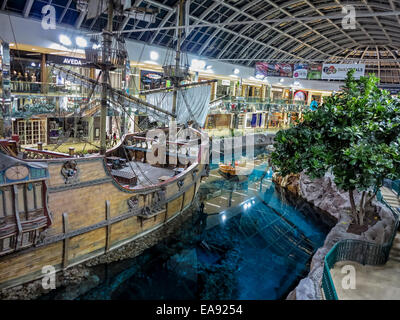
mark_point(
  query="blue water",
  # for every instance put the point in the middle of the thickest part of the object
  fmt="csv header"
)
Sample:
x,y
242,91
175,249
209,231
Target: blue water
x,y
257,249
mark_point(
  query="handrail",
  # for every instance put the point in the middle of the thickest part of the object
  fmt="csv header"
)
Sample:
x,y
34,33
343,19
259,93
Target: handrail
x,y
45,153
361,251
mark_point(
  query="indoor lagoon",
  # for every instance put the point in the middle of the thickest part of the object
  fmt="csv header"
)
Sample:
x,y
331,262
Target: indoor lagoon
x,y
249,243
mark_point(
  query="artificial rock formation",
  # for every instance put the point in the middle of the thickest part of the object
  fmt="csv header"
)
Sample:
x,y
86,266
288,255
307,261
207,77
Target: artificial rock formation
x,y
324,194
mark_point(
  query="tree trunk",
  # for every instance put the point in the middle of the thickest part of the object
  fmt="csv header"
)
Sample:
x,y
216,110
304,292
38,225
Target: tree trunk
x,y
353,204
373,196
361,212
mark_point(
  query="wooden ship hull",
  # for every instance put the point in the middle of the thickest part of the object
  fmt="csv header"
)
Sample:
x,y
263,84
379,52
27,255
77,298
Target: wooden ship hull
x,y
65,210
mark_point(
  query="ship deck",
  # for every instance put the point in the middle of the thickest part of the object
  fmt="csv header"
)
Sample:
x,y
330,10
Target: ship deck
x,y
146,173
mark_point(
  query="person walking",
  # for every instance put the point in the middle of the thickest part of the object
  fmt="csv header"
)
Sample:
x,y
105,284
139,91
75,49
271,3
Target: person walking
x,y
313,105
114,139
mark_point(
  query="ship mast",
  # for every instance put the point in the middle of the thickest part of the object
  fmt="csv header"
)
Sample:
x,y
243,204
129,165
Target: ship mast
x,y
176,80
105,66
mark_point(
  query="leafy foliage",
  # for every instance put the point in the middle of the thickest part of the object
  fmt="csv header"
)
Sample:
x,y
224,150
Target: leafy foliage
x,y
355,134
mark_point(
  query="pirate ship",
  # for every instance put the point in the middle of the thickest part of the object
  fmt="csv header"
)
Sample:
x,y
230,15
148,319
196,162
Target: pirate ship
x,y
61,210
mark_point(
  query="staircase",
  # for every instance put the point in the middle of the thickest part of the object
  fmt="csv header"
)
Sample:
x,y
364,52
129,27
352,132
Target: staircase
x,y
390,197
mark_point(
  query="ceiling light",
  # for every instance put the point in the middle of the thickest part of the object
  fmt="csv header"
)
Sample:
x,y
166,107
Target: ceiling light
x,y
33,64
81,42
236,71
154,55
282,80
96,46
198,64
66,41
208,67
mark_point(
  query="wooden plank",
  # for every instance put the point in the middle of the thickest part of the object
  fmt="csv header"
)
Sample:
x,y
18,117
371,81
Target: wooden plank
x,y
66,241
17,219
108,229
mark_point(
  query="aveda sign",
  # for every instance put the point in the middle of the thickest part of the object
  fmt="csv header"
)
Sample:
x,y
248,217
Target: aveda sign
x,y
71,61
66,60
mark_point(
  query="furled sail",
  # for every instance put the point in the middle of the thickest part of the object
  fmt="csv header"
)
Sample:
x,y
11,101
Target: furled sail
x,y
192,103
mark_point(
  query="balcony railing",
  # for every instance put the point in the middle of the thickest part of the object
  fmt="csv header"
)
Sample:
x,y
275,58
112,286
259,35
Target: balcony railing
x,y
26,88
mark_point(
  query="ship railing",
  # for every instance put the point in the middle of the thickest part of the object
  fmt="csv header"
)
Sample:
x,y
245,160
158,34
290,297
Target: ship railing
x,y
31,153
363,252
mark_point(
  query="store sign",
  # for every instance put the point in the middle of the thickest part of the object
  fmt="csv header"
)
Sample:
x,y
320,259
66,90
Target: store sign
x,y
314,71
66,60
273,70
339,71
226,82
300,71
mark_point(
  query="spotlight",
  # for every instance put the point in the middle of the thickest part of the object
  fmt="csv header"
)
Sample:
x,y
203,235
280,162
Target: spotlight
x,y
154,55
66,41
81,42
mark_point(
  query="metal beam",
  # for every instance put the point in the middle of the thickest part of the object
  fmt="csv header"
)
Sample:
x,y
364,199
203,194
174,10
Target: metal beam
x,y
162,24
27,8
4,5
64,11
80,19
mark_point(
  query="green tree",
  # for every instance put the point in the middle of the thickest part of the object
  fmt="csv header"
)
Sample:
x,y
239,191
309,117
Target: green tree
x,y
354,134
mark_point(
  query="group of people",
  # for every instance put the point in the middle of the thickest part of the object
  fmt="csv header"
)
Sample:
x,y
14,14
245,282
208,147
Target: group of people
x,y
112,139
27,82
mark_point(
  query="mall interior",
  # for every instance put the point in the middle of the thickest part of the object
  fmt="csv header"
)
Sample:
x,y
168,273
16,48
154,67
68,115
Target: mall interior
x,y
223,149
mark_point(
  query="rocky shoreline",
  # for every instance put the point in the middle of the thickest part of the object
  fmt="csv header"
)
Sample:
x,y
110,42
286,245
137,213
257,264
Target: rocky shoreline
x,y
324,195
79,279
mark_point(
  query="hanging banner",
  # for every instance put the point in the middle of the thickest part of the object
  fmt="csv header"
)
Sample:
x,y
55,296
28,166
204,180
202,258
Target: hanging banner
x,y
300,71
339,71
274,69
314,71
